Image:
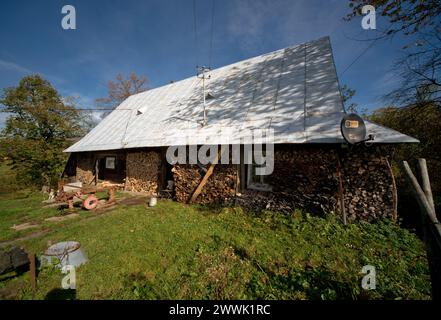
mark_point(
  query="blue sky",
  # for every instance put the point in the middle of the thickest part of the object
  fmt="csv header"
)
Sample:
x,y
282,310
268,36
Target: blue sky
x,y
156,39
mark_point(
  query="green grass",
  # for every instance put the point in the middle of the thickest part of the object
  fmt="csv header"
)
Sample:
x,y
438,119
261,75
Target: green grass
x,y
21,207
25,206
176,251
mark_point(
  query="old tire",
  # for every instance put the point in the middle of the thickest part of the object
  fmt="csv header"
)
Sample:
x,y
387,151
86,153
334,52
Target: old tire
x,y
90,202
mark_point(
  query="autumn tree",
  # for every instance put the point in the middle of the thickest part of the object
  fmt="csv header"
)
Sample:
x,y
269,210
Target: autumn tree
x,y
121,88
420,63
405,16
347,95
37,130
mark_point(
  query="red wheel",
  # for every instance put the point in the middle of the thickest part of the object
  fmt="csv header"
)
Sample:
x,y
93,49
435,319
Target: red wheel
x,y
90,202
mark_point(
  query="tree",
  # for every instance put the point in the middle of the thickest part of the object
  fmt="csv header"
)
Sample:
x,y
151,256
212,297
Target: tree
x,y
37,130
405,16
122,88
419,67
347,94
424,123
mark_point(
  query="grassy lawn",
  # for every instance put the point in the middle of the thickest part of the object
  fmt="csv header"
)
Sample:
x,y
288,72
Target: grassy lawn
x,y
176,251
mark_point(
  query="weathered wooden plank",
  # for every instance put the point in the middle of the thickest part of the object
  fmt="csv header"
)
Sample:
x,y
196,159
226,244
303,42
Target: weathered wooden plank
x,y
394,191
205,178
340,191
32,270
419,194
426,182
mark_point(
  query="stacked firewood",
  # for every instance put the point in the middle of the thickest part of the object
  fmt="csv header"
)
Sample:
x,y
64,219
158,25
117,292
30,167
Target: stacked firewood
x,y
85,170
306,178
143,169
303,179
368,184
220,187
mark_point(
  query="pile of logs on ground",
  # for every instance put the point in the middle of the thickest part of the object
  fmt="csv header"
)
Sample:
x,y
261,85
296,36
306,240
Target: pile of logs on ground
x,y
143,169
220,187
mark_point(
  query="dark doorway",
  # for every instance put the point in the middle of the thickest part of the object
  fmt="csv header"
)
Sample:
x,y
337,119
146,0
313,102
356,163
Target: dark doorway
x,y
111,168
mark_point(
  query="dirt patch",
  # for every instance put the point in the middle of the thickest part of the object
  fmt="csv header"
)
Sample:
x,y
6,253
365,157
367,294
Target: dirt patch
x,y
27,237
62,218
24,226
133,201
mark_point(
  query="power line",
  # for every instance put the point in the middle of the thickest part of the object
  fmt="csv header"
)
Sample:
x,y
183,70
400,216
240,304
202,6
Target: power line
x,y
365,50
359,56
213,7
195,31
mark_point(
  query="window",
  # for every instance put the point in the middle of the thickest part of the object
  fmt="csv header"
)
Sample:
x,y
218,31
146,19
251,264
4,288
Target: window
x,y
257,182
110,163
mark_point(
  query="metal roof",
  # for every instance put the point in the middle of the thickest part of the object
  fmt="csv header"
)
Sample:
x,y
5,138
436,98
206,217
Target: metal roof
x,y
293,91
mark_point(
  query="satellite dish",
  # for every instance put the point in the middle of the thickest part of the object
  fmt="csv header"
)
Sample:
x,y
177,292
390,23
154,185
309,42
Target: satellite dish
x,y
353,128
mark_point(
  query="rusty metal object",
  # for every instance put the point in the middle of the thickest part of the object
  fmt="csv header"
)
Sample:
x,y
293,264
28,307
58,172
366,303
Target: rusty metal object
x,y
87,194
90,202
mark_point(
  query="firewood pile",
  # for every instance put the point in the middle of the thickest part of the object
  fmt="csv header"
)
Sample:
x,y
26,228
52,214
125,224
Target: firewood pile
x,y
84,172
304,178
143,169
307,179
221,186
368,184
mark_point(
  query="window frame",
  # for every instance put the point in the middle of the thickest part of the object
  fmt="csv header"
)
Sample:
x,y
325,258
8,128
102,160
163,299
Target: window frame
x,y
114,162
259,186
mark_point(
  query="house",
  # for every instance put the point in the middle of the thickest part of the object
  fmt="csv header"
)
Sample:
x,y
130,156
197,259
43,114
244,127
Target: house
x,y
294,92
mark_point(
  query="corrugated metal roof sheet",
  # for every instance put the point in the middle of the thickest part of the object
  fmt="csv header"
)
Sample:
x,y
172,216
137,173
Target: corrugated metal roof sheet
x,y
293,91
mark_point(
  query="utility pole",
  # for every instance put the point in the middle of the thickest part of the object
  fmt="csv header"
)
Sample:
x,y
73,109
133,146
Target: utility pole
x,y
202,75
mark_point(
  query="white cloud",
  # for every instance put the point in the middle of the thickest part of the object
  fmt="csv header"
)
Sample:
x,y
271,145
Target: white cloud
x,y
286,22
7,65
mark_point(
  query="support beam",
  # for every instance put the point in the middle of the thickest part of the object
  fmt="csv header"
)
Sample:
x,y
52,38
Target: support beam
x,y
394,191
205,178
341,191
420,195
426,182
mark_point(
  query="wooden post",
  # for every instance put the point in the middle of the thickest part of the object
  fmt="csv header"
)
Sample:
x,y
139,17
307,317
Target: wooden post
x,y
242,170
419,194
426,182
394,192
111,195
70,203
341,192
32,270
431,226
96,171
